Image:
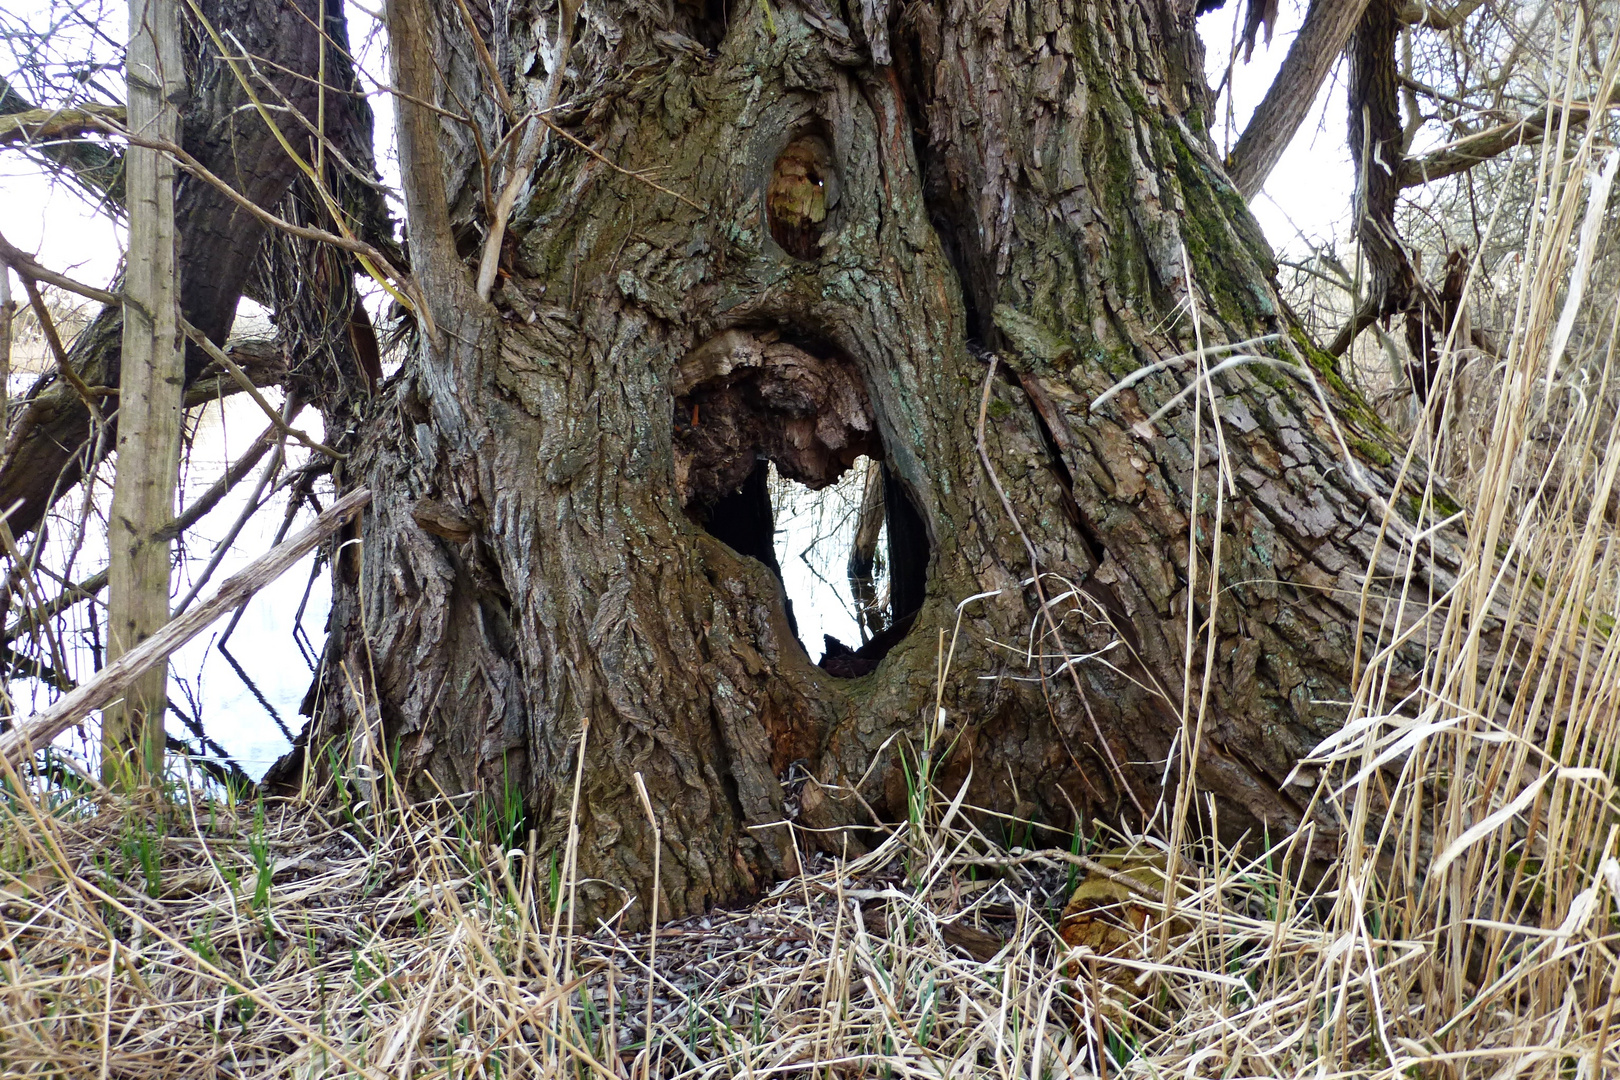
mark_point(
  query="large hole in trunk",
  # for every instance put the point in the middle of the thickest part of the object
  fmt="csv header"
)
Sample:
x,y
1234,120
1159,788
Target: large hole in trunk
x,y
777,455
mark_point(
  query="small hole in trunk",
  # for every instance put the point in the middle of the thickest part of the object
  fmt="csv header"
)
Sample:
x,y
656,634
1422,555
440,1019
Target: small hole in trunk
x,y
803,190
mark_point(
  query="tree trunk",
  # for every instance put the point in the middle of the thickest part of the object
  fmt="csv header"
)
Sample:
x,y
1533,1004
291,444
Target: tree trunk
x,y
806,236
150,392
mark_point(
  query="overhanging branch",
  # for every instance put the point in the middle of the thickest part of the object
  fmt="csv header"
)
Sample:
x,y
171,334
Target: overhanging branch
x,y
1470,150
1327,27
37,125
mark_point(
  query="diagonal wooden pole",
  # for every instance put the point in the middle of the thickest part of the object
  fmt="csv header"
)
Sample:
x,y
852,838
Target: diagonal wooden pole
x,y
113,681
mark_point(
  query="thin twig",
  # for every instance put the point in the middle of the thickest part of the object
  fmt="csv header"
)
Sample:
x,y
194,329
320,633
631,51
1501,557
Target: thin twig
x,y
216,354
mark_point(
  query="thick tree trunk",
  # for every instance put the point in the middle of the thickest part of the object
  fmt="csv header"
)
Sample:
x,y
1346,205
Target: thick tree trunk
x,y
1023,191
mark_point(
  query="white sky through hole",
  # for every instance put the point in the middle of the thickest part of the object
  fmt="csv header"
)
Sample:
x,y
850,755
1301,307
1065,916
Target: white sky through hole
x,y
814,533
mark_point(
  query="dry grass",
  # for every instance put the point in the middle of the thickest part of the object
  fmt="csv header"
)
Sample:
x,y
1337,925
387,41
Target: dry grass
x,y
197,937
1468,928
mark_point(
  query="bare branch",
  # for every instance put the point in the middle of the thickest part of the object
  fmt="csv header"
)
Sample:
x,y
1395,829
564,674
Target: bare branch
x,y
64,366
38,616
39,124
1436,17
20,261
528,152
1327,27
112,681
1470,150
217,354
353,245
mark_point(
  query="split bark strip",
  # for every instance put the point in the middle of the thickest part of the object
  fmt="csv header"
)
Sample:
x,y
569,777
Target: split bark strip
x,y
151,389
529,150
112,681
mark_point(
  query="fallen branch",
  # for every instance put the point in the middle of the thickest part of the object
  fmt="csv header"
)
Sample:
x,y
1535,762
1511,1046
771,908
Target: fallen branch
x,y
110,683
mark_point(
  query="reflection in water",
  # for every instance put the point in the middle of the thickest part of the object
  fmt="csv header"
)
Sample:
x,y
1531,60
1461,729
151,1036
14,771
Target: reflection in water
x,y
246,721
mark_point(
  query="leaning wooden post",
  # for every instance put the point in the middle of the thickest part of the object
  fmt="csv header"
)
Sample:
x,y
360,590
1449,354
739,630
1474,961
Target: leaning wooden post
x,y
151,385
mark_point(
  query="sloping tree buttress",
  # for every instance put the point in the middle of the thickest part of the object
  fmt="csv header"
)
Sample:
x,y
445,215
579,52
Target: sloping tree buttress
x,y
1025,185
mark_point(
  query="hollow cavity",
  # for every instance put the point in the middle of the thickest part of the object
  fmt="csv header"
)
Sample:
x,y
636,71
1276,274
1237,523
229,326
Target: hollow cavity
x,y
778,456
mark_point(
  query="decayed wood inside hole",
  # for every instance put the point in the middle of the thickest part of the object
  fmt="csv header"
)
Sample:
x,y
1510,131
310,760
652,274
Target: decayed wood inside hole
x,y
742,396
801,192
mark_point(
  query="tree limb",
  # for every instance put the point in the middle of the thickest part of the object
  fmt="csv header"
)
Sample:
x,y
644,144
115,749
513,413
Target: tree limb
x,y
40,124
94,167
1436,17
1327,27
1470,150
20,261
217,354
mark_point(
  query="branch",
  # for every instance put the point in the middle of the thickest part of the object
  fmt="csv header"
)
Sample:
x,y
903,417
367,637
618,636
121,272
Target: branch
x,y
262,359
1436,17
217,355
1327,27
354,246
20,261
73,594
528,152
1470,150
221,487
40,124
109,684
47,326
95,167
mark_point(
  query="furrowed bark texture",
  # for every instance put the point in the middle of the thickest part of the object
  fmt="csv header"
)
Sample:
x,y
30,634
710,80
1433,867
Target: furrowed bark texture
x,y
1024,184
1378,149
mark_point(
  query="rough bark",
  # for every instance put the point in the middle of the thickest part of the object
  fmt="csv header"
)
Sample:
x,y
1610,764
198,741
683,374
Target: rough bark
x,y
1378,148
1023,190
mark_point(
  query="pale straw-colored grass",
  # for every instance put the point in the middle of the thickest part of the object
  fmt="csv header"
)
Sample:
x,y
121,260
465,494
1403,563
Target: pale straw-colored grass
x,y
1468,928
